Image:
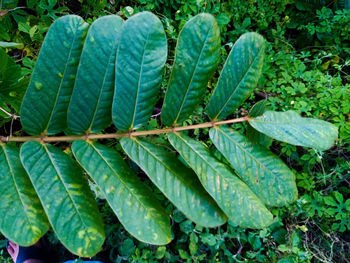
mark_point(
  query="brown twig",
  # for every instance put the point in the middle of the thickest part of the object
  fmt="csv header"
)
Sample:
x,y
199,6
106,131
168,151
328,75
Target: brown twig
x,y
118,135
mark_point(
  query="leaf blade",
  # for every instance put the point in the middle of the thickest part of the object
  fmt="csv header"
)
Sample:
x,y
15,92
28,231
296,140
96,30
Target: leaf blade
x,y
138,79
267,176
90,106
44,107
290,127
233,196
178,183
239,76
52,171
196,59
23,219
123,190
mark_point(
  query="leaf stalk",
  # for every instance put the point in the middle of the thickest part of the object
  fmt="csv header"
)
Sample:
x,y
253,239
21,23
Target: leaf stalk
x,y
5,139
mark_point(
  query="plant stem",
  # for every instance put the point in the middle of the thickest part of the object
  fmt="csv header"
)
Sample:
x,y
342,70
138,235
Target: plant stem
x,y
117,135
9,114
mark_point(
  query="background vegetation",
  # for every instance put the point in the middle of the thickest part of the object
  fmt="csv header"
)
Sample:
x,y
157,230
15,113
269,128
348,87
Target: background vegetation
x,y
306,69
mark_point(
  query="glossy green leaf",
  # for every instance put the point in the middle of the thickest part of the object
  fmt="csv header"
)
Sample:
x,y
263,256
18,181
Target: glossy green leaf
x,y
90,106
23,219
264,172
291,128
233,196
177,182
133,202
66,197
239,76
141,56
196,59
44,107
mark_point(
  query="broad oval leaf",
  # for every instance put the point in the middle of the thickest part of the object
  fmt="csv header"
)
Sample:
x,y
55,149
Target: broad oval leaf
x,y
239,76
140,60
233,196
44,107
264,172
133,202
196,59
177,182
90,106
291,128
66,197
23,220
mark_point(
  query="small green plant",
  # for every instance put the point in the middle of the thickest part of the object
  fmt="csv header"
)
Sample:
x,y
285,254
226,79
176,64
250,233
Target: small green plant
x,y
88,76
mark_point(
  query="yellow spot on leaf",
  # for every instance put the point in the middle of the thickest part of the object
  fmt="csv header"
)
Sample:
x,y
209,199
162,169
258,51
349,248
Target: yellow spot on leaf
x,y
38,85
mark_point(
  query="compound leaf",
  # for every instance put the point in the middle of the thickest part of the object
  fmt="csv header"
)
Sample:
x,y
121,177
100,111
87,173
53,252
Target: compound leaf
x,y
140,60
265,173
90,106
196,59
291,128
233,196
239,76
177,182
44,107
66,197
133,202
23,219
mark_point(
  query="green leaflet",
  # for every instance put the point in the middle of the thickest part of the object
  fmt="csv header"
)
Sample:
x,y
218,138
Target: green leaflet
x,y
196,59
233,196
66,197
141,56
132,201
266,174
90,106
177,182
291,128
239,76
253,135
258,109
12,83
23,219
44,107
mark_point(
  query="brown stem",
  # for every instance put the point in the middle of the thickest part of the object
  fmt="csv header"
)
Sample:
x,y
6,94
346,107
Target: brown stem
x,y
117,135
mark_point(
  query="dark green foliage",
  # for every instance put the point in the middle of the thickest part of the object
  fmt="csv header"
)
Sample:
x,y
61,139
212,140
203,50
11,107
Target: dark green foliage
x,y
306,70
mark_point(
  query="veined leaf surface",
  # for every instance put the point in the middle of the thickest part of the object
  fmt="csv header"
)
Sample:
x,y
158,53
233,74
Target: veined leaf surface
x,y
239,76
23,220
44,107
133,202
233,196
264,172
291,128
90,107
196,59
140,60
66,197
177,182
